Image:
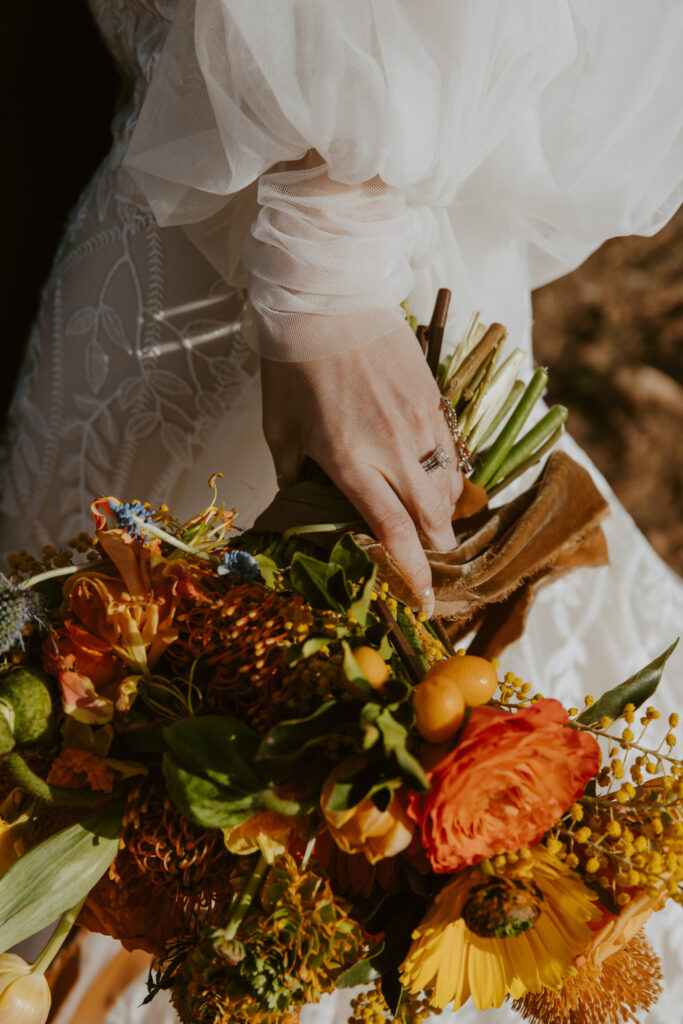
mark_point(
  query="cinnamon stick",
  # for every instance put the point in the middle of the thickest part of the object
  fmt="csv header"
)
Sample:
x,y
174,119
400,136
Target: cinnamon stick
x,y
493,335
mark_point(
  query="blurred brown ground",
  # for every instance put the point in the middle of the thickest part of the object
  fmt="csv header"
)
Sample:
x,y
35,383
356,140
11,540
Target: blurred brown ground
x,y
611,335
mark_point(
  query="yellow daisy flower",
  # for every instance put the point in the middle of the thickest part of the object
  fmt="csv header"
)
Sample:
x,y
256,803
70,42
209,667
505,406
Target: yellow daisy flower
x,y
453,963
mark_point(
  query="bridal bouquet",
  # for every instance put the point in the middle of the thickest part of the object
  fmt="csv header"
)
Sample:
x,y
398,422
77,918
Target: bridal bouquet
x,y
244,754
253,762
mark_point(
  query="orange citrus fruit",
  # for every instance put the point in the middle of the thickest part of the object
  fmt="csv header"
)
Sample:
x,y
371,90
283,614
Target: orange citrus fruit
x,y
439,708
446,689
372,665
476,677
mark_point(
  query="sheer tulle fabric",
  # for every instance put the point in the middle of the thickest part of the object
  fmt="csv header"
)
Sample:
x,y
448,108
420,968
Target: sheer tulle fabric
x,y
513,139
327,263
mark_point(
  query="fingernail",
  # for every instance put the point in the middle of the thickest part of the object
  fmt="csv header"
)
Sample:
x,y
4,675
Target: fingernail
x,y
427,601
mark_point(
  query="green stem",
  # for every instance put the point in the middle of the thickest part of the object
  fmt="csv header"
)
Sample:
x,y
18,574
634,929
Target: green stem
x,y
513,396
508,435
174,541
276,803
295,531
33,784
246,898
531,461
56,940
528,444
64,570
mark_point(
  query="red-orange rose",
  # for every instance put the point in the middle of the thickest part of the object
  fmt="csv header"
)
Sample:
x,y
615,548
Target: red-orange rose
x,y
509,779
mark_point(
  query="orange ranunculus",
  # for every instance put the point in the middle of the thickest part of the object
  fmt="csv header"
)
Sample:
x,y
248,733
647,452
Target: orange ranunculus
x,y
509,779
365,828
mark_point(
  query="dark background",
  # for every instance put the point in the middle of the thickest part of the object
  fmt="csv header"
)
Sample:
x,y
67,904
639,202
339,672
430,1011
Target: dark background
x,y
611,333
57,93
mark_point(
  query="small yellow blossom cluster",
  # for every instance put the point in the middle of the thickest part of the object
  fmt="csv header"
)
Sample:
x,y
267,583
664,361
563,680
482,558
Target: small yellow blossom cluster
x,y
432,648
514,692
24,564
518,863
369,1007
628,833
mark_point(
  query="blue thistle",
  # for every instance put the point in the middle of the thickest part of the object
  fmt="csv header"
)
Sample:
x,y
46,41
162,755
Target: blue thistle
x,y
239,567
131,517
17,609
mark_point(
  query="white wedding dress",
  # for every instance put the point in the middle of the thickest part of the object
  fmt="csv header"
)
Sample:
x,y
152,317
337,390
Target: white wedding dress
x,y
475,144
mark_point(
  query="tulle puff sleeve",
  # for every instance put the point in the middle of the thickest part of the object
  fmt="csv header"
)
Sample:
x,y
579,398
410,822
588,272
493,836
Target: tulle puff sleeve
x,y
485,145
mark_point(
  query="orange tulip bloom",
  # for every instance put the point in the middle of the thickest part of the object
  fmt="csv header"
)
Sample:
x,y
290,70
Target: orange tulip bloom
x,y
365,828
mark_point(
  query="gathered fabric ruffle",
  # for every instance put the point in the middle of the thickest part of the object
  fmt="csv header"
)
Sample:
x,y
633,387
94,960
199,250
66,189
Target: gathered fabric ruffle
x,y
504,143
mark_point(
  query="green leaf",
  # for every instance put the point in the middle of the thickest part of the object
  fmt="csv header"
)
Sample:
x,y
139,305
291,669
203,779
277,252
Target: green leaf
x,y
219,748
354,673
204,802
289,739
408,629
322,584
298,652
54,875
210,771
639,688
361,606
269,570
353,560
394,736
367,782
362,973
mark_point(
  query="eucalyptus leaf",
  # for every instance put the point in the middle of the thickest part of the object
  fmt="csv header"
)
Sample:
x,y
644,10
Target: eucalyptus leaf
x,y
289,739
54,875
635,690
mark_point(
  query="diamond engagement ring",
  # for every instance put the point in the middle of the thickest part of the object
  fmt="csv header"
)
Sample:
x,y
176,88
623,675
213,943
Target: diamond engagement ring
x,y
438,459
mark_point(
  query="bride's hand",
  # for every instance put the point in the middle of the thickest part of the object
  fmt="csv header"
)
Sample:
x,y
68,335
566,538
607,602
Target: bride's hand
x,y
367,417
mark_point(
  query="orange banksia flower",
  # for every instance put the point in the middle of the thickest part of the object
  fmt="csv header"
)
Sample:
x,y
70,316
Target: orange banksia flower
x,y
191,863
607,992
234,645
133,910
508,780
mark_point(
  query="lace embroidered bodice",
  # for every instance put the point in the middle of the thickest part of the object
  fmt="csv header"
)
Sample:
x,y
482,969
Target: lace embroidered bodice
x,y
138,382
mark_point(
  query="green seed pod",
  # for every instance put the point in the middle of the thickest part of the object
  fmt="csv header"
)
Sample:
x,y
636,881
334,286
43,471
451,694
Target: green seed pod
x,y
26,706
6,729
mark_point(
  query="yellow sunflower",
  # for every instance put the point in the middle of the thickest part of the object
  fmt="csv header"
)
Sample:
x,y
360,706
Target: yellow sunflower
x,y
453,963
